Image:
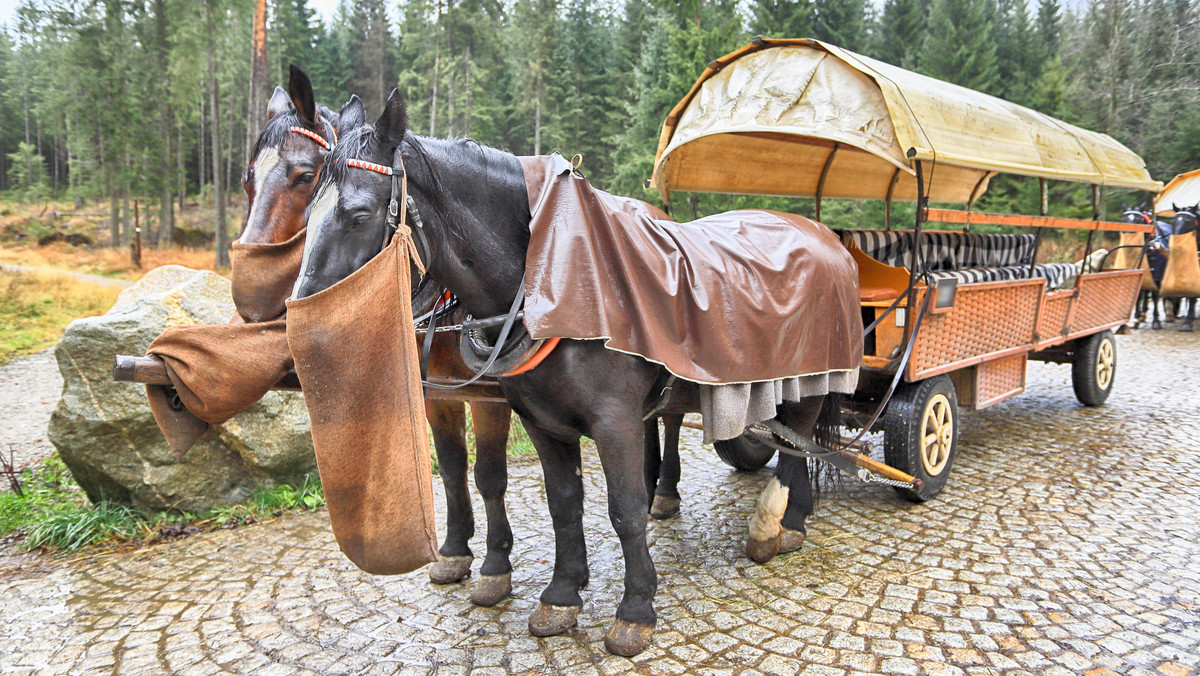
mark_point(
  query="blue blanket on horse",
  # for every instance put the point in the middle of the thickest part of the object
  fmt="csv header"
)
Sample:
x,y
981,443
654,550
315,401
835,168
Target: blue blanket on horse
x,y
746,296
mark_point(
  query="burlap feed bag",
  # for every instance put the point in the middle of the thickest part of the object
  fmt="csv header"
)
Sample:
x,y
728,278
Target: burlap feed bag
x,y
357,359
221,370
1125,258
1182,277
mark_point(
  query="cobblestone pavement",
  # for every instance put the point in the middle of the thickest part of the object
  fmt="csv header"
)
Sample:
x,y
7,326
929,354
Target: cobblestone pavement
x,y
1066,542
29,390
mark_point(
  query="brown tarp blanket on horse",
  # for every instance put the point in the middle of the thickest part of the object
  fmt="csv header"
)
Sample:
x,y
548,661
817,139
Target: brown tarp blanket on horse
x,y
762,303
358,363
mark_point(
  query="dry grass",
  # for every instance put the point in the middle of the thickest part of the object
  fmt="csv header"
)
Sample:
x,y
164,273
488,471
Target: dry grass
x,y
35,308
107,262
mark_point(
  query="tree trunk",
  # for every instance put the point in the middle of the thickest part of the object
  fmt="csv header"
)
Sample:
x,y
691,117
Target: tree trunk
x,y
258,74
200,150
437,63
114,221
220,236
228,175
126,219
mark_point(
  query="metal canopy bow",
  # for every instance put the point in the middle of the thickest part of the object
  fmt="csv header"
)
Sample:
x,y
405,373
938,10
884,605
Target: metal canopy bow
x,y
803,118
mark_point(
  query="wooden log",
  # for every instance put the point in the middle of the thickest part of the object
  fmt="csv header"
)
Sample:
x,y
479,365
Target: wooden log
x,y
151,370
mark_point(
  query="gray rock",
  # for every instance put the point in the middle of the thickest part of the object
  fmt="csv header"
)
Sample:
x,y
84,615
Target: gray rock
x,y
104,430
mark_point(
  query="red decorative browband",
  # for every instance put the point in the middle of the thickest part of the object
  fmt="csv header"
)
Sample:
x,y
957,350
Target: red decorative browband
x,y
369,166
312,135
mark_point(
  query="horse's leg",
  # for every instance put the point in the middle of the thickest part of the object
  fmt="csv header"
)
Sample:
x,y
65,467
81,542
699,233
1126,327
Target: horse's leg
x,y
492,421
1155,311
620,443
666,495
778,523
1191,315
448,421
653,457
562,472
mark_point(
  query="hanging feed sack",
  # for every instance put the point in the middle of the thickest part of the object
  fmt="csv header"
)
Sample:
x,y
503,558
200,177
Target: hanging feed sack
x,y
358,363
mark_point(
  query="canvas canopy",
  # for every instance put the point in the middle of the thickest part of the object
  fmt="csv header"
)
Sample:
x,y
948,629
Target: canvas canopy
x,y
804,118
1182,191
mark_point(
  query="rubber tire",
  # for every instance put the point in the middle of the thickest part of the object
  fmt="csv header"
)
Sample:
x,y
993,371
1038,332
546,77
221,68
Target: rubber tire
x,y
1083,369
902,434
744,453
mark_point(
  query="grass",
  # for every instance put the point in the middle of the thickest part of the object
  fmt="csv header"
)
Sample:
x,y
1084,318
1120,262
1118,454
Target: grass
x,y
520,448
35,308
104,261
52,514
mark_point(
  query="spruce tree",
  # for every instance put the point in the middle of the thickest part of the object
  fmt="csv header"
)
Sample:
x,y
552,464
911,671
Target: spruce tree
x,y
782,18
840,22
901,32
958,46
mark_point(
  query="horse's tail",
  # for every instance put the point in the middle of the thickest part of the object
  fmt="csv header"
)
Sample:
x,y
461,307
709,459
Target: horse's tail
x,y
828,434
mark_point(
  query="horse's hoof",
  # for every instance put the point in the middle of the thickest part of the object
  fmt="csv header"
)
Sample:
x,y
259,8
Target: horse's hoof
x,y
1187,327
1156,324
489,590
761,551
790,540
664,507
549,620
449,569
628,638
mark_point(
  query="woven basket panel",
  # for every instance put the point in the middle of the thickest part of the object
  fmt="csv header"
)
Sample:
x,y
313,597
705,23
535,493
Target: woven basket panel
x,y
1053,321
982,321
1104,299
999,377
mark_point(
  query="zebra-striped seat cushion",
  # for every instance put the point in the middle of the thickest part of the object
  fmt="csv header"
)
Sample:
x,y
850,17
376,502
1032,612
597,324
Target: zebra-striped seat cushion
x,y
1056,274
945,250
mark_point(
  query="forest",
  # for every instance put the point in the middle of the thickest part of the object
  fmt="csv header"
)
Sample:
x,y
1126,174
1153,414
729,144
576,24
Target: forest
x,y
155,100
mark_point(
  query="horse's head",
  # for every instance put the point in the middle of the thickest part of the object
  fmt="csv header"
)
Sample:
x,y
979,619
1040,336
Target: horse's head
x,y
347,220
1137,215
285,162
1186,220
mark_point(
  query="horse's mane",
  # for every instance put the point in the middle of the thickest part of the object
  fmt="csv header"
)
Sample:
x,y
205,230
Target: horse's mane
x,y
423,155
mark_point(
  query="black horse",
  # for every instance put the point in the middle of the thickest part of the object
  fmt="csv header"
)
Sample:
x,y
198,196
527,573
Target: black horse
x,y
1187,219
474,205
1156,258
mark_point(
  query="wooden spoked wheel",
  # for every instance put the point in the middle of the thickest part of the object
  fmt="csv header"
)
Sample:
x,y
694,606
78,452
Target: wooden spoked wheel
x,y
1094,368
920,434
937,434
1106,362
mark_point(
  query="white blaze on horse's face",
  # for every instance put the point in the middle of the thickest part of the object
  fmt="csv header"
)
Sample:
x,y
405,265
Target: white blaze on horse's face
x,y
320,213
264,164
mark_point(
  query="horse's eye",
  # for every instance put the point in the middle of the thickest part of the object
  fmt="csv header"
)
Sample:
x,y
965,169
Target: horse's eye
x,y
305,178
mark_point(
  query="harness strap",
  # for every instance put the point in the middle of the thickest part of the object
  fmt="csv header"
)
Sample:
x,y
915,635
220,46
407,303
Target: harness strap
x,y
538,357
312,135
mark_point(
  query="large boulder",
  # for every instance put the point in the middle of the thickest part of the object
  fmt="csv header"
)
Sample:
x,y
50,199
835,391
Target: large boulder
x,y
104,430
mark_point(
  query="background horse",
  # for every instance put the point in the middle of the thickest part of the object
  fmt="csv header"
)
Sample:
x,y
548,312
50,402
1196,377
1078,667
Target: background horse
x,y
474,207
1187,220
1156,259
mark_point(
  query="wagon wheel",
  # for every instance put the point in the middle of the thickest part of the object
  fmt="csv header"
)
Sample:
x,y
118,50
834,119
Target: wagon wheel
x,y
1094,368
744,453
920,434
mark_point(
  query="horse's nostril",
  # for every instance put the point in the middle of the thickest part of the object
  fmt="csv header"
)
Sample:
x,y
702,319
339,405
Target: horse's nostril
x,y
468,263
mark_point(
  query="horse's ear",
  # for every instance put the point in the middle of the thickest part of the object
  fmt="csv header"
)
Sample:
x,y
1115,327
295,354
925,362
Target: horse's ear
x,y
301,91
279,103
393,123
352,114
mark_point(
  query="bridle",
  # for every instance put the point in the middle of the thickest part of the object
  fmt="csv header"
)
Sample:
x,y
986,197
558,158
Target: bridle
x,y
416,241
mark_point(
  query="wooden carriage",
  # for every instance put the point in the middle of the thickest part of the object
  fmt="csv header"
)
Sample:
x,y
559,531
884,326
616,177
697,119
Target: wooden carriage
x,y
956,315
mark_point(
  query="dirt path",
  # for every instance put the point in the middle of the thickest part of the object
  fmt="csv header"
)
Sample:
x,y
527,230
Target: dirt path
x,y
29,390
98,280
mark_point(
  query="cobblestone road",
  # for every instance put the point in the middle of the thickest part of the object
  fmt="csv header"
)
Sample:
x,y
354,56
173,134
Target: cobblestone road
x,y
1067,542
